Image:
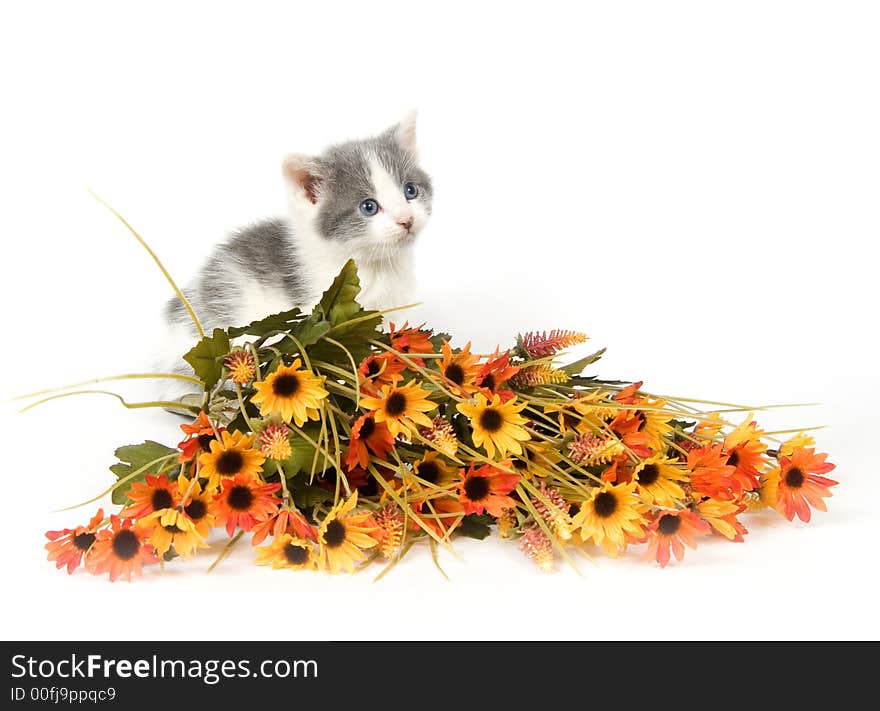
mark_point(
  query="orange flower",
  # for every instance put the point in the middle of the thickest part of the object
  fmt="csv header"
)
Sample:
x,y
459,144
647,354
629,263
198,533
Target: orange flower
x,y
442,515
745,451
381,368
411,341
66,547
244,501
368,436
120,550
284,522
710,473
241,366
628,396
199,436
197,505
799,484
675,530
494,374
459,369
721,516
155,494
627,425
486,489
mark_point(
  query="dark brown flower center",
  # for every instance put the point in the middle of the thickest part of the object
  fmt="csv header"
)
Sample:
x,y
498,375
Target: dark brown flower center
x,y
491,420
794,478
488,381
668,524
285,385
173,528
521,464
649,474
83,541
334,535
643,420
205,442
368,426
240,498
429,471
230,462
605,504
126,545
295,555
196,509
476,488
733,459
570,420
455,373
161,499
395,404
373,368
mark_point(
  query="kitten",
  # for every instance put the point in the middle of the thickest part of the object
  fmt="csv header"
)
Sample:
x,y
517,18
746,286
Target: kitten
x,y
363,199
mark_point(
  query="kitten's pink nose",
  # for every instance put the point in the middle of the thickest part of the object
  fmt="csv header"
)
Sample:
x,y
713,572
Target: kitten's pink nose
x,y
406,224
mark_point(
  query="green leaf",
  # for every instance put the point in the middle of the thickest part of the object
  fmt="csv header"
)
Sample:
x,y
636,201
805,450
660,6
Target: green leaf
x,y
283,321
302,453
577,367
206,357
354,334
309,496
339,303
135,456
312,329
476,526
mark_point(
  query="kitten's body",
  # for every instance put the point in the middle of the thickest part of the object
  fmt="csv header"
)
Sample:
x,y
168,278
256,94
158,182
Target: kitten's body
x,y
275,265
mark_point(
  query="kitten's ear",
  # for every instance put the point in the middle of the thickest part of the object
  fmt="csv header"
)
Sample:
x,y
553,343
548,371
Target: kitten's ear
x,y
405,132
303,174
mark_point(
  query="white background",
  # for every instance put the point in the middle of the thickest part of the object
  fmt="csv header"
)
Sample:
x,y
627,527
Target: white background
x,y
694,184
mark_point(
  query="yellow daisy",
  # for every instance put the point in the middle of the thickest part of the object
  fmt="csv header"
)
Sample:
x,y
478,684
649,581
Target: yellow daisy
x,y
173,528
611,518
233,455
434,470
496,425
288,552
292,392
344,535
401,407
658,481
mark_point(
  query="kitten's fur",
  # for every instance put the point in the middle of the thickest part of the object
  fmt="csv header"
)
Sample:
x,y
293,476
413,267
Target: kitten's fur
x,y
277,264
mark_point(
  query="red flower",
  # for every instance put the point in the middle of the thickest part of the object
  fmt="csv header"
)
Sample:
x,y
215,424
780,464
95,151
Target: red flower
x,y
244,501
799,485
486,489
411,341
198,438
441,515
155,494
494,374
285,521
120,550
675,530
382,368
67,547
368,436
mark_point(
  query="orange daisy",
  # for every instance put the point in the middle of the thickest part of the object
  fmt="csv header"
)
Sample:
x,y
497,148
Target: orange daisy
x,y
199,436
486,489
674,530
411,341
494,374
380,368
459,369
627,425
285,521
442,515
710,474
745,451
197,505
244,501
67,547
153,494
721,516
368,436
799,484
120,550
401,407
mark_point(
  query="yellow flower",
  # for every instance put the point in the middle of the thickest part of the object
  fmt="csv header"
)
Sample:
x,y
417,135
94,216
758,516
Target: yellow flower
x,y
657,480
275,442
173,528
799,441
610,518
291,392
344,535
234,455
288,552
401,407
496,425
241,366
435,471
197,506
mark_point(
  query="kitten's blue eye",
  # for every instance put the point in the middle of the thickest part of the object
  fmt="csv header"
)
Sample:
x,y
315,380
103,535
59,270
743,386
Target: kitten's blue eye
x,y
411,191
369,207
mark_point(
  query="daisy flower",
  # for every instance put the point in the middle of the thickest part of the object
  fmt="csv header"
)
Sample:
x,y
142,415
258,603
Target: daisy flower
x,y
494,374
153,494
368,436
746,453
434,470
400,407
799,484
292,392
496,426
67,547
284,521
659,481
243,501
241,366
199,436
344,535
610,518
441,515
380,368
274,441
197,505
674,530
119,550
232,456
459,369
288,552
710,474
411,340
172,528
486,489
721,516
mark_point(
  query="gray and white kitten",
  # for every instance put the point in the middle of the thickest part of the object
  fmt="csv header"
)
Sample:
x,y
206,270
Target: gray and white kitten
x,y
363,199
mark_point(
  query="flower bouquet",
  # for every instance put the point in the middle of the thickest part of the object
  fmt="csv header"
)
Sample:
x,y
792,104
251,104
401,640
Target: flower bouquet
x,y
333,442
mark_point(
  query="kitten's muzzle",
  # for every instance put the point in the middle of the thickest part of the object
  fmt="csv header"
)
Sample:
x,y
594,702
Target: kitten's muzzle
x,y
406,224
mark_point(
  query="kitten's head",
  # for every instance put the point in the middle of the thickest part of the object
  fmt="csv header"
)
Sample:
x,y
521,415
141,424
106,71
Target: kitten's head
x,y
370,195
